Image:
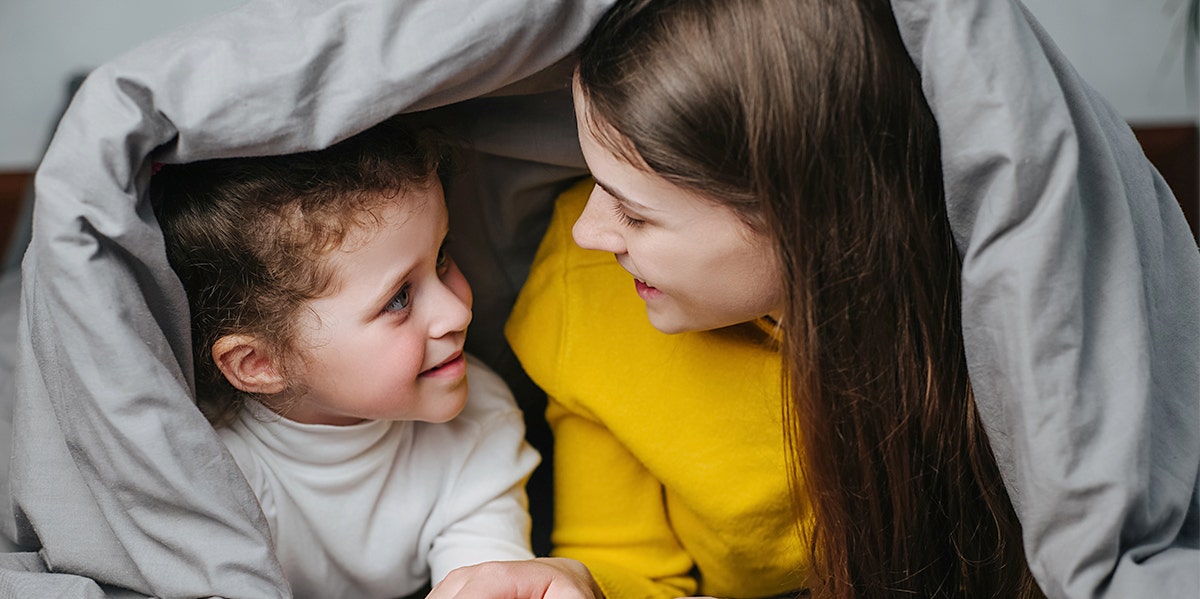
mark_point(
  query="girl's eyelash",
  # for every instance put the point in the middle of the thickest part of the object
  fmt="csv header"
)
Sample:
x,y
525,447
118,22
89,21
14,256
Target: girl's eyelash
x,y
401,301
443,255
625,219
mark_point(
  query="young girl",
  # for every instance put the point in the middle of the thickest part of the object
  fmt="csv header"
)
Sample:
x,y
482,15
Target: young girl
x,y
328,324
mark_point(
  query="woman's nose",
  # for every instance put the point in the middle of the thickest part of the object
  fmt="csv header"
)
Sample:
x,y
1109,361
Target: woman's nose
x,y
596,228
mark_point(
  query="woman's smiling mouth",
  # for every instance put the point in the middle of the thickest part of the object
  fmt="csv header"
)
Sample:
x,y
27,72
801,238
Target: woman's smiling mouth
x,y
644,291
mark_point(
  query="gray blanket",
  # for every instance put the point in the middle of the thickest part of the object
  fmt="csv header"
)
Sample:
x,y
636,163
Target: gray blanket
x,y
1081,281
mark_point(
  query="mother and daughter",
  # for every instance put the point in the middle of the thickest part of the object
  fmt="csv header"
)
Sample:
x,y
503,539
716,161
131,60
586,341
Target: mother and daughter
x,y
750,323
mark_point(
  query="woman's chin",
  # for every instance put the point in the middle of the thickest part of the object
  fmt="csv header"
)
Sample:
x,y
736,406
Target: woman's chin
x,y
671,322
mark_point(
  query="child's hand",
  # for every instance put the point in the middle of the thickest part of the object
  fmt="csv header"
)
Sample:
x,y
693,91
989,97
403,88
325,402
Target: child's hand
x,y
542,578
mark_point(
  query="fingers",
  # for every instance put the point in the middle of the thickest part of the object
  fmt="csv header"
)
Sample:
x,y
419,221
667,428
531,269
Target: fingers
x,y
531,579
494,580
448,588
485,581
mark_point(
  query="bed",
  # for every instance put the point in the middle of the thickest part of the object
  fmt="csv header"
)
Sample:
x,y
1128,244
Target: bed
x,y
1070,240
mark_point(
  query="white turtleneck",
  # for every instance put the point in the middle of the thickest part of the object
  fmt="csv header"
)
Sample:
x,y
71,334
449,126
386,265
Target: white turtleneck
x,y
379,508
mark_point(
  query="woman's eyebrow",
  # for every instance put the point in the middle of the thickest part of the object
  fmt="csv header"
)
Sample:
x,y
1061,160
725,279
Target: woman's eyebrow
x,y
622,198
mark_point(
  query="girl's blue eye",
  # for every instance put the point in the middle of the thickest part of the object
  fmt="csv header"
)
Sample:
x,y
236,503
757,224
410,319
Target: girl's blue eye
x,y
400,301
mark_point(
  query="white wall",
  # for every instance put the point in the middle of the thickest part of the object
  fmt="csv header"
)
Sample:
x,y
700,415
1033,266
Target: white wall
x,y
42,42
1130,50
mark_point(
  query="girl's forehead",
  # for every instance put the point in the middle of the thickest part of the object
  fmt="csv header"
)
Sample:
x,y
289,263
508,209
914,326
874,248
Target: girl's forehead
x,y
401,212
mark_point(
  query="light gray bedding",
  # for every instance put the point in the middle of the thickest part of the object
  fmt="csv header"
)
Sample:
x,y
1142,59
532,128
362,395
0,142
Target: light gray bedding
x,y
1081,304
1081,281
10,295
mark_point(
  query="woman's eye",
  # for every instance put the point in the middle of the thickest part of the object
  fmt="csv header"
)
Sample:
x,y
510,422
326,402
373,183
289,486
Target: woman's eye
x,y
400,301
625,219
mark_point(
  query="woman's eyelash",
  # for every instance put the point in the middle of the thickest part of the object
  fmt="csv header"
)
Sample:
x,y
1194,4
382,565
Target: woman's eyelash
x,y
625,219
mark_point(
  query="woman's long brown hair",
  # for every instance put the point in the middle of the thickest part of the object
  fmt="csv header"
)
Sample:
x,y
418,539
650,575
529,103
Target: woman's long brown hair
x,y
807,118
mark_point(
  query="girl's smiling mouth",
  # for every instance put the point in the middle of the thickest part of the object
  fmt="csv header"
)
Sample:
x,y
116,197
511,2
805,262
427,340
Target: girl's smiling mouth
x,y
455,365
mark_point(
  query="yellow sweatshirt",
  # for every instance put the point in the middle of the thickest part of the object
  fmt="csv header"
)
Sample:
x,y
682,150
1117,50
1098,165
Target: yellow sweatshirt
x,y
670,476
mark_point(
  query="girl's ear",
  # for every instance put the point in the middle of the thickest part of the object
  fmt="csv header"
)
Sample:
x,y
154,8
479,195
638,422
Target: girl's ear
x,y
247,364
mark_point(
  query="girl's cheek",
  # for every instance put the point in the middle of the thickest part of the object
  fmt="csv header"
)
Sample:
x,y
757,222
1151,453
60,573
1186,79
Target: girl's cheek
x,y
459,285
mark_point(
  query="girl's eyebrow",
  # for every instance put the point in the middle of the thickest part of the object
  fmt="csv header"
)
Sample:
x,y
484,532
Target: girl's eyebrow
x,y
398,281
385,296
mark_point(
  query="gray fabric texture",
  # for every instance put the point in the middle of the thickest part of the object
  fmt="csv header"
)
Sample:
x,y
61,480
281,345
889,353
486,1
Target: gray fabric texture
x,y
1081,304
1081,280
10,295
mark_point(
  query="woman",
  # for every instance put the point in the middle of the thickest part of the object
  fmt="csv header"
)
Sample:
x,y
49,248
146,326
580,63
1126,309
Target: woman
x,y
777,161
803,126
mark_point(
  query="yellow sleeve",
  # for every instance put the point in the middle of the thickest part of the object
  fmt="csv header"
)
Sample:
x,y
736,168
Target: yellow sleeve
x,y
609,510
609,513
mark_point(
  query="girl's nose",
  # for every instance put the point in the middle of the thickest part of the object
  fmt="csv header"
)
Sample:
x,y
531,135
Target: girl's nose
x,y
452,306
597,228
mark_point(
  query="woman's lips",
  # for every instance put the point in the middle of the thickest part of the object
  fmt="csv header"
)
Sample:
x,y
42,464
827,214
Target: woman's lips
x,y
645,291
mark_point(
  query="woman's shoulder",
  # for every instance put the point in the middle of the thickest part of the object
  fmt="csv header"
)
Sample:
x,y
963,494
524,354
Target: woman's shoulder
x,y
558,255
566,276
572,297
